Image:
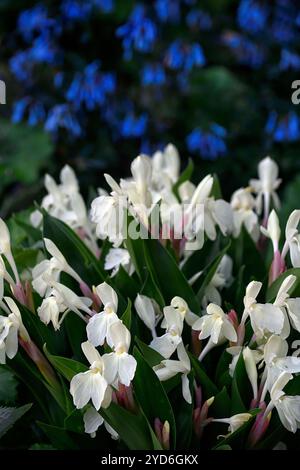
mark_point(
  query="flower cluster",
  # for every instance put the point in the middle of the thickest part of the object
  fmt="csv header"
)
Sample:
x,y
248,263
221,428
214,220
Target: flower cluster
x,y
153,48
148,321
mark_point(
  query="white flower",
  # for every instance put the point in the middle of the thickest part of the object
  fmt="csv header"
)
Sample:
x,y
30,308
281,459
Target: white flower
x,y
288,407
98,328
182,307
92,384
145,309
273,230
5,249
292,243
93,420
216,326
250,366
69,299
49,311
243,204
61,261
222,278
166,167
266,185
42,272
167,344
119,365
10,328
117,257
169,368
265,318
234,422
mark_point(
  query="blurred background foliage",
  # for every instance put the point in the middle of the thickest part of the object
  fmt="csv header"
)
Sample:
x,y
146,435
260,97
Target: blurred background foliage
x,y
95,82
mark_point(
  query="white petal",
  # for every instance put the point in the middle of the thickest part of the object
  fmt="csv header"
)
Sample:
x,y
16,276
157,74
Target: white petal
x,y
92,420
107,295
90,352
127,368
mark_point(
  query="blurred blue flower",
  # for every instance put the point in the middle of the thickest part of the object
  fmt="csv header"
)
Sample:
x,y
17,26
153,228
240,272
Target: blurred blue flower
x,y
245,51
199,19
284,129
133,126
289,60
35,21
168,10
44,50
209,145
138,33
76,10
58,79
252,16
91,87
153,74
284,24
21,66
107,6
62,117
184,56
35,111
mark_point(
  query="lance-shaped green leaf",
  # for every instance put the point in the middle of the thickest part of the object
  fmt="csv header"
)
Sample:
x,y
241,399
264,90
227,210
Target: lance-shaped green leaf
x,y
167,275
8,386
133,429
126,317
58,436
241,388
9,416
208,387
152,396
67,367
150,355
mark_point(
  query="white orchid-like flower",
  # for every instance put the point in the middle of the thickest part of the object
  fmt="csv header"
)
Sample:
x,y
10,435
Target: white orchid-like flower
x,y
10,328
108,212
222,278
145,309
50,310
120,366
117,257
287,406
169,368
98,328
48,268
93,420
182,307
243,205
167,344
92,384
292,243
216,326
60,260
265,187
266,318
68,301
165,168
235,421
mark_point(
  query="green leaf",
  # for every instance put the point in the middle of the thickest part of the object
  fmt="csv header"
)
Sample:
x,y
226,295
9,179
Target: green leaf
x,y
206,278
216,191
8,386
9,416
38,446
167,275
241,388
150,355
274,287
74,422
185,176
77,254
183,415
126,284
152,396
58,436
76,332
133,429
67,367
209,388
126,317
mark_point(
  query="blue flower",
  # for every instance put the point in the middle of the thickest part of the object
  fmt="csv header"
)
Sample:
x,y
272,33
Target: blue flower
x,y
76,10
44,50
168,10
35,111
133,126
138,33
35,21
184,56
199,19
284,129
21,66
289,60
107,6
210,144
153,74
245,51
62,117
252,16
91,87
285,21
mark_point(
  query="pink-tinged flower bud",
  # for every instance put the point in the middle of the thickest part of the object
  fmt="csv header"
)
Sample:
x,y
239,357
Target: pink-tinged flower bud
x,y
277,267
29,296
200,418
233,318
259,427
20,294
124,397
241,334
162,432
